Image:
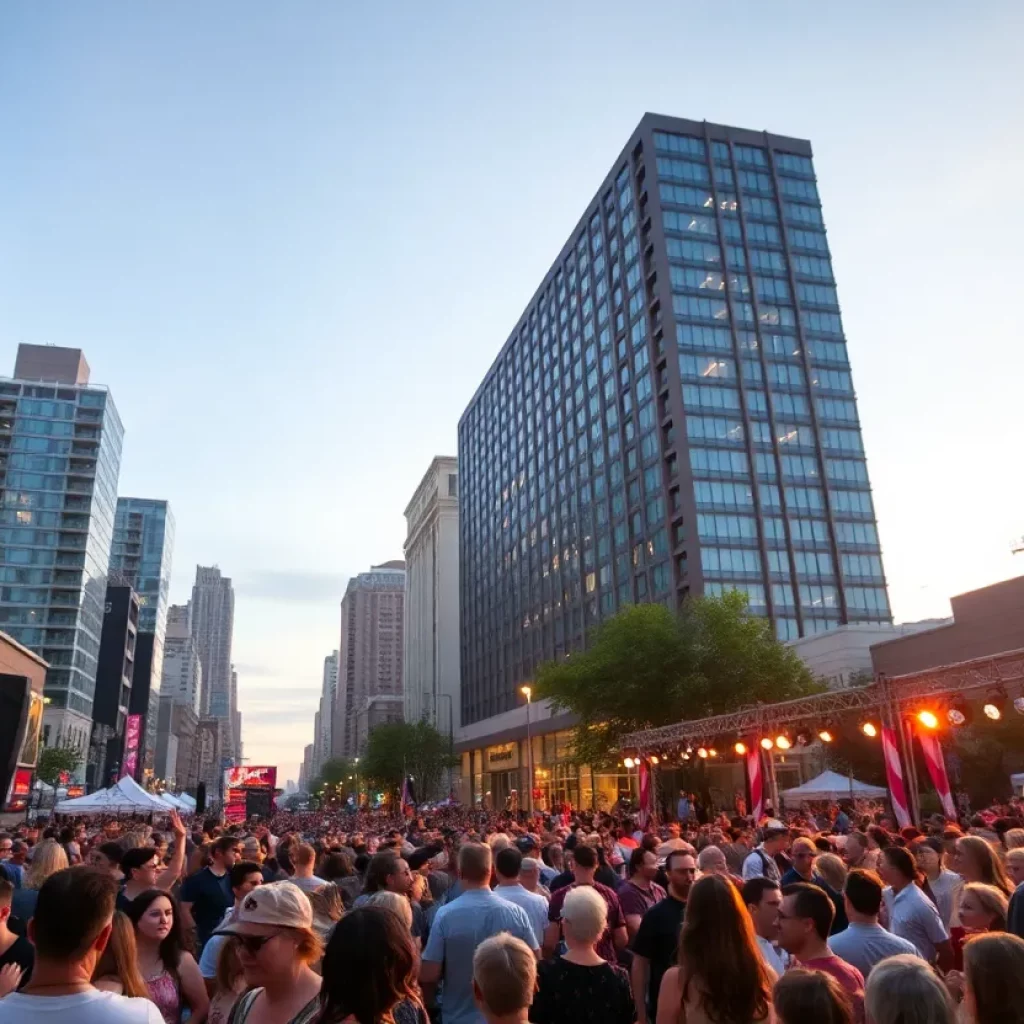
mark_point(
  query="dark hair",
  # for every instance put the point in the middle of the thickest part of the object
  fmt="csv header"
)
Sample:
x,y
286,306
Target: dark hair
x,y
823,844
718,952
369,967
6,891
113,851
67,835
585,856
994,969
676,853
636,859
650,842
73,907
811,997
864,891
135,858
381,866
902,860
172,945
508,862
336,865
240,870
223,844
880,836
545,853
755,888
813,902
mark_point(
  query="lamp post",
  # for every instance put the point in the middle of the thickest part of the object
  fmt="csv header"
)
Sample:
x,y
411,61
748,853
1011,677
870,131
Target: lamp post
x,y
527,692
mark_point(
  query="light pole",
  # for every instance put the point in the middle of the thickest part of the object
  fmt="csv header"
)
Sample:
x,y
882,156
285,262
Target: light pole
x,y
358,803
527,692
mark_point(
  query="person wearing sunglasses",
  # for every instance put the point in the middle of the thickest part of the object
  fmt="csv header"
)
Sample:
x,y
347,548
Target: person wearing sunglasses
x,y
276,943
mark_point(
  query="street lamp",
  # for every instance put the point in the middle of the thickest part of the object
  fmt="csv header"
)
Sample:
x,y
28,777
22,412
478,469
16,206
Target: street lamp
x,y
527,692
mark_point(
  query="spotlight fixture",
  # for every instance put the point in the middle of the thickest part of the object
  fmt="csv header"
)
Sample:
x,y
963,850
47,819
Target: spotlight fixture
x,y
689,748
686,756
767,743
702,752
803,737
783,742
928,718
1018,705
740,748
869,729
994,704
712,752
629,762
654,758
958,713
825,735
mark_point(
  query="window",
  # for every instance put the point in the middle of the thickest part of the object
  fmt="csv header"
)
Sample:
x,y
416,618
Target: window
x,y
814,596
691,279
719,493
687,195
756,181
857,534
719,462
724,527
714,428
773,289
825,323
765,234
804,499
798,213
836,409
794,435
794,189
673,169
867,599
799,467
730,561
790,163
813,266
753,592
862,566
834,439
706,367
699,309
786,629
803,238
852,503
686,223
831,380
770,262
813,563
827,351
692,251
762,209
787,404
688,145
817,294
808,531
847,470
751,155
720,398
716,339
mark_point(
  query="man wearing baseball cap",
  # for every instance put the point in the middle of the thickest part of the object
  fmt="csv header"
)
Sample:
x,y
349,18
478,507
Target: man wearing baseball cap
x,y
273,928
761,862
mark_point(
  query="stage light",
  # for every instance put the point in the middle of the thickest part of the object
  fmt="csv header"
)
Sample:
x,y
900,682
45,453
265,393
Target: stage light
x,y
686,756
928,719
994,704
958,713
712,752
783,742
825,735
869,729
654,759
629,762
740,748
767,743
1018,705
702,751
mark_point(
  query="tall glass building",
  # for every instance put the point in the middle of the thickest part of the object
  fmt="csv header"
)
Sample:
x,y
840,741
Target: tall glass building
x,y
673,414
60,454
143,545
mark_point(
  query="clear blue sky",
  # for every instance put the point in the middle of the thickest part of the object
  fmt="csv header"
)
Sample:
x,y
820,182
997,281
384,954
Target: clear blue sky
x,y
291,237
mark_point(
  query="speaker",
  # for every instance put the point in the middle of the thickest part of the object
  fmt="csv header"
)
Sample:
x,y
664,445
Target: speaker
x,y
201,798
15,696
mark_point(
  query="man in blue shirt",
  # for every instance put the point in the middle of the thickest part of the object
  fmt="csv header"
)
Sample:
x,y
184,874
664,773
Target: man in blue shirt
x,y
459,928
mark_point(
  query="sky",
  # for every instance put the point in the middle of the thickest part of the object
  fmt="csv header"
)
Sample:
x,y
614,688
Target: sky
x,y
292,237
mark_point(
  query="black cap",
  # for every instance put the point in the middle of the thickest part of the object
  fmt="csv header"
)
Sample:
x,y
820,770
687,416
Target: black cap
x,y
419,857
526,843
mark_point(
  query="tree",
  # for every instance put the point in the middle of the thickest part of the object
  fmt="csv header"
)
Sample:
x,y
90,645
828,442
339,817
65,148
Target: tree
x,y
648,667
337,778
397,749
56,761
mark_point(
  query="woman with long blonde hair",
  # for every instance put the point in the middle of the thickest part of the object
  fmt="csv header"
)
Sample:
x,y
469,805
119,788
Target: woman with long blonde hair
x,y
47,859
117,970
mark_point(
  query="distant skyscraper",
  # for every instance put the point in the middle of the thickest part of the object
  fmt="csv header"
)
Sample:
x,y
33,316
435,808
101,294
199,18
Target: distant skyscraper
x,y
324,720
431,658
212,612
370,657
180,687
236,718
60,454
140,555
673,414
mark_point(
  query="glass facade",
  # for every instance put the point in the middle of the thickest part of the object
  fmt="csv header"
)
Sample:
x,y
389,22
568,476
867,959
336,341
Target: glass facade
x,y
60,454
673,414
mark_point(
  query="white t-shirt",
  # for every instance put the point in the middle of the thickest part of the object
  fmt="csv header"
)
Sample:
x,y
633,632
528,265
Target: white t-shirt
x,y
93,1007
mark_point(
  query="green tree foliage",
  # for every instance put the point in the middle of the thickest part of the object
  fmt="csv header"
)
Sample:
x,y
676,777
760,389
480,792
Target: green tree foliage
x,y
54,761
397,749
648,667
337,780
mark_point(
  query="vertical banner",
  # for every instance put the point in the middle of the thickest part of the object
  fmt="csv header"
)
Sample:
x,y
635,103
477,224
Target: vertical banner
x,y
937,770
755,776
643,773
132,736
894,774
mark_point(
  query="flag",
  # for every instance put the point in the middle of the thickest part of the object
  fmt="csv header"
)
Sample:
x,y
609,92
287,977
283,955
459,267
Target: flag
x,y
756,780
408,797
644,785
937,770
894,773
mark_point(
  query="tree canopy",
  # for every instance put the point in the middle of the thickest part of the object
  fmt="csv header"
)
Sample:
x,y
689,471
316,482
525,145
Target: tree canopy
x,y
649,667
397,749
338,776
55,761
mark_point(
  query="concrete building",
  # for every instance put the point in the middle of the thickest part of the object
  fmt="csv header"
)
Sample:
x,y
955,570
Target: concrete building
x,y
212,614
208,755
236,718
431,658
177,760
22,679
141,554
673,414
324,725
370,655
182,678
306,770
60,455
842,656
165,761
985,622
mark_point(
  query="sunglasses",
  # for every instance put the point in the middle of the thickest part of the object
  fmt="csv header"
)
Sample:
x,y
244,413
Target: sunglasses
x,y
252,944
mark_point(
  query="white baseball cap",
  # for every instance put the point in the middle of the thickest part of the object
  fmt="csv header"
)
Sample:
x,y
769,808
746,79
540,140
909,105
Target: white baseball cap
x,y
275,905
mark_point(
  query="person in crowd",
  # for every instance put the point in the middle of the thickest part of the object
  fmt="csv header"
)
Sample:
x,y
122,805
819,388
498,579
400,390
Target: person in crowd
x,y
328,909
276,945
1015,865
143,868
975,861
712,861
370,971
811,997
16,953
865,942
581,987
585,865
640,892
806,917
982,908
507,865
911,914
107,857
529,877
206,896
11,866
70,929
390,872
683,806
903,989
804,854
47,859
398,905
656,946
421,862
504,979
942,884
738,849
117,970
244,876
304,859
993,980
459,927
252,853
721,977
763,897
228,984
761,862
832,868
338,868
171,975
856,852
553,857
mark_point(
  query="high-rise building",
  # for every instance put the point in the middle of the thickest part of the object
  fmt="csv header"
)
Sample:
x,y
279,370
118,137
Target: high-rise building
x,y
212,613
369,657
140,555
306,769
431,659
673,414
181,685
60,454
324,719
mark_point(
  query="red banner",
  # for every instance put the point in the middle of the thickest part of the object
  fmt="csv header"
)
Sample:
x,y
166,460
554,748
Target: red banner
x,y
132,736
894,774
755,776
936,766
644,785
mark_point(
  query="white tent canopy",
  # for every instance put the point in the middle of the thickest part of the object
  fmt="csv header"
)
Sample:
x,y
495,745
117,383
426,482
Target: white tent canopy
x,y
833,786
1017,780
124,797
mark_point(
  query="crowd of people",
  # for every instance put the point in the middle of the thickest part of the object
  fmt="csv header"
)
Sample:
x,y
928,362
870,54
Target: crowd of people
x,y
465,916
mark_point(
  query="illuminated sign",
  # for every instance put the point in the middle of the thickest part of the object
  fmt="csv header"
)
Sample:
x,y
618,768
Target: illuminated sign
x,y
132,735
